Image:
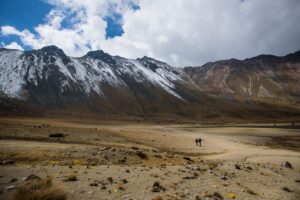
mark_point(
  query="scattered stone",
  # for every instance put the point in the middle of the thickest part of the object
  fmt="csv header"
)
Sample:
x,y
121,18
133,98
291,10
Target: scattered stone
x,y
10,187
249,168
31,177
237,166
250,191
224,178
124,180
110,180
103,187
94,184
154,175
8,162
56,135
297,181
158,156
121,161
217,196
197,168
286,164
103,149
141,155
197,197
286,189
119,187
187,158
135,148
156,187
70,178
13,180
194,176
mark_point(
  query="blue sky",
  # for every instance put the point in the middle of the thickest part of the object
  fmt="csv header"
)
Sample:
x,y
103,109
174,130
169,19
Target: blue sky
x,y
22,14
179,32
27,14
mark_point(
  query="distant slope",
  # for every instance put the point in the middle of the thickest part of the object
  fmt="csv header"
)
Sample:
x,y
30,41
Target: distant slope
x,y
263,78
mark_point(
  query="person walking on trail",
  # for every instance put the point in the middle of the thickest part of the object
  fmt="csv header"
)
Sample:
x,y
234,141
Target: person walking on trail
x,y
198,141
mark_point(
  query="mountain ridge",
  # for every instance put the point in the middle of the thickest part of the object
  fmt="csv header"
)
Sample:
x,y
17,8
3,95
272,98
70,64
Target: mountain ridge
x,y
100,83
264,77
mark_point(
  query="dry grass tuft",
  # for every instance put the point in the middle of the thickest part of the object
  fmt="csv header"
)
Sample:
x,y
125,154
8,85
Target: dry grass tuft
x,y
42,189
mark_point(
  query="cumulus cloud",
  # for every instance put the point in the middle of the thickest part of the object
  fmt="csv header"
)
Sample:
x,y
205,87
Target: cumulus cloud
x,y
13,45
180,32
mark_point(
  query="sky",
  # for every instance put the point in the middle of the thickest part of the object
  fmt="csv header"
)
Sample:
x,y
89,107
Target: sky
x,y
179,32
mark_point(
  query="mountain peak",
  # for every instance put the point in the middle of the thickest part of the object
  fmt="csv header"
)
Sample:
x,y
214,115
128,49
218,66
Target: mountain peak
x,y
293,57
95,53
101,55
52,50
149,60
146,58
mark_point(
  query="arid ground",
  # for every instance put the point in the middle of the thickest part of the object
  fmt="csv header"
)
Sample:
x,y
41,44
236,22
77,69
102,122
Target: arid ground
x,y
127,160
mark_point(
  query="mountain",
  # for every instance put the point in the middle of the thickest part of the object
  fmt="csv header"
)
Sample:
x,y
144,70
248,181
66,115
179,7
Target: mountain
x,y
48,81
99,81
264,78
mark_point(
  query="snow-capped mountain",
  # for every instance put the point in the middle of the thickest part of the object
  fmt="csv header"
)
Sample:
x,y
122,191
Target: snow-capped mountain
x,y
102,82
111,85
49,66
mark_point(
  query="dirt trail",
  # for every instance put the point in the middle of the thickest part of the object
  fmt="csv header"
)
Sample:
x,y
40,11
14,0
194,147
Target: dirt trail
x,y
219,143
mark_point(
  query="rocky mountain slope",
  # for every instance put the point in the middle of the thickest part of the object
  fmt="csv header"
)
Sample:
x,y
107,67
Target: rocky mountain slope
x,y
264,78
145,87
98,81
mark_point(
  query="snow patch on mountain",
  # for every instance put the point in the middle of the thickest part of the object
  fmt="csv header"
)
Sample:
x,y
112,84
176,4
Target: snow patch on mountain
x,y
84,74
11,80
157,78
92,73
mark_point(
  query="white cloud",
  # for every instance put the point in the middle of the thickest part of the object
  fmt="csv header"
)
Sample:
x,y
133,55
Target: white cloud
x,y
181,32
193,32
13,45
9,30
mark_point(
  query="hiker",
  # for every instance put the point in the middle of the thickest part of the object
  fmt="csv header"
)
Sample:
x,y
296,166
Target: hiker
x,y
198,141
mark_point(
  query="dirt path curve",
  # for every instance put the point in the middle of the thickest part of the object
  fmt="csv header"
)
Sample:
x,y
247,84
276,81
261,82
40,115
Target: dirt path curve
x,y
219,143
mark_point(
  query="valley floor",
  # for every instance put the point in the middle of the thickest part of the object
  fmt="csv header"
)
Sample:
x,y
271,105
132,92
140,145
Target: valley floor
x,y
118,160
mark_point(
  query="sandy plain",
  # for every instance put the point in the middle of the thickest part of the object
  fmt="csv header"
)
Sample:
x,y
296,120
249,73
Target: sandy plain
x,y
236,161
